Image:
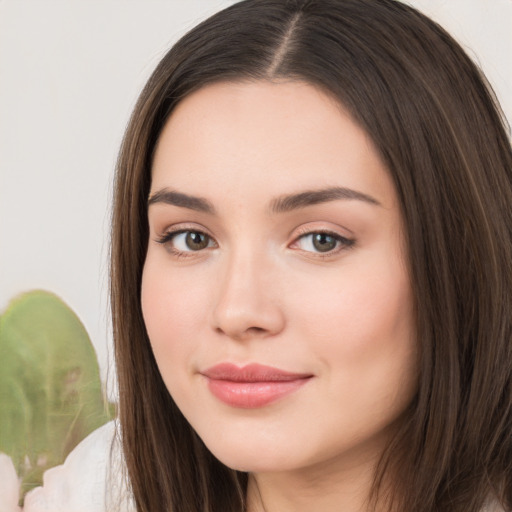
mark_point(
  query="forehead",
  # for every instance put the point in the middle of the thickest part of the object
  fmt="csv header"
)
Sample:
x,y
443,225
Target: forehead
x,y
261,138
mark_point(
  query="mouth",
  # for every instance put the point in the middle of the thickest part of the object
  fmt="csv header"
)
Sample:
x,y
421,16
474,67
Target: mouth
x,y
252,386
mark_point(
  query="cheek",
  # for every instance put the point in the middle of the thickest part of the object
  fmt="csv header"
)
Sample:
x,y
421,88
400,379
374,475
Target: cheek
x,y
173,308
362,323
361,306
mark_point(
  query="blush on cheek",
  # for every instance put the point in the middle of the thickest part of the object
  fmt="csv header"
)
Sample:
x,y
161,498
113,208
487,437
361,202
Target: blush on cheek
x,y
173,312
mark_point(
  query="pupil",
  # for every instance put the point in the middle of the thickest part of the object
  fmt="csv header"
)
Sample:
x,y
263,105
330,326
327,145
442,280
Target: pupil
x,y
323,242
196,241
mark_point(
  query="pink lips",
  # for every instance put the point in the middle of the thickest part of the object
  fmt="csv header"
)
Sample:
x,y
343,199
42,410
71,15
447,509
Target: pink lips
x,y
253,385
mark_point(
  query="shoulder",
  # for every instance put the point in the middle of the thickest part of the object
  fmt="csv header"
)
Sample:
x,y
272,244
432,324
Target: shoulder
x,y
90,480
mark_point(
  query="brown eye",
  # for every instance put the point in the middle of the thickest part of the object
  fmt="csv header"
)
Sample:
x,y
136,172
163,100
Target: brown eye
x,y
324,242
319,242
195,241
186,241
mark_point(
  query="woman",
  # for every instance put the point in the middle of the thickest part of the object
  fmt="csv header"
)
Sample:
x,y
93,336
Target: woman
x,y
311,268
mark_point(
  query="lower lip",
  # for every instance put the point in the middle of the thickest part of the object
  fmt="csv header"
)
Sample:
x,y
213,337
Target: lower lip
x,y
251,395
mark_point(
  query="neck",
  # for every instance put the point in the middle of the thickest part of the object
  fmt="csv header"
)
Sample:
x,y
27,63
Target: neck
x,y
326,489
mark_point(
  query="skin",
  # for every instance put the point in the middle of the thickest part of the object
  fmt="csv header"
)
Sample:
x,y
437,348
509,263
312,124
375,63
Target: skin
x,y
261,291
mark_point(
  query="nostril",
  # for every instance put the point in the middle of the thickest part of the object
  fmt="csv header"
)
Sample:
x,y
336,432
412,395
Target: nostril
x,y
243,334
256,330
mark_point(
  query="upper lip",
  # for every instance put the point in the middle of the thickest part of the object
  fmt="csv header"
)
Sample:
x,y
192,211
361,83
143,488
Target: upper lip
x,y
251,373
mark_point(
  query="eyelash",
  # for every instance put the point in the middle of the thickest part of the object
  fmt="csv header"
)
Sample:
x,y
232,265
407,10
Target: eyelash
x,y
342,242
168,237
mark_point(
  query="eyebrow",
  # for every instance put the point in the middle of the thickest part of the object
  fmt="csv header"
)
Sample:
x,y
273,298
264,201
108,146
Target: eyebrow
x,y
311,197
174,198
280,204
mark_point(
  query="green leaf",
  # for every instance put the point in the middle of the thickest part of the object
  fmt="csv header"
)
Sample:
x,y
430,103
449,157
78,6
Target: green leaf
x,y
50,390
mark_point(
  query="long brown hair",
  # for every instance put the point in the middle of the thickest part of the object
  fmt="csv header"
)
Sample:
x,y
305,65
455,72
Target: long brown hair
x,y
440,133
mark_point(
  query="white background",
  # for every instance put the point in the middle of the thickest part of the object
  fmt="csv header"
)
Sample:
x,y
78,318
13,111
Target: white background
x,y
70,72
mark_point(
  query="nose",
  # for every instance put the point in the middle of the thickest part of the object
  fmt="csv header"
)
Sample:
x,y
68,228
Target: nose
x,y
248,304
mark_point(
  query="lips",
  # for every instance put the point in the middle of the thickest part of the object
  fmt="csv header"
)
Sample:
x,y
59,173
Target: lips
x,y
252,386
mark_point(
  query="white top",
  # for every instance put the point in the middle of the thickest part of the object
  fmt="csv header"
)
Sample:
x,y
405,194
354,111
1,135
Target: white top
x,y
90,480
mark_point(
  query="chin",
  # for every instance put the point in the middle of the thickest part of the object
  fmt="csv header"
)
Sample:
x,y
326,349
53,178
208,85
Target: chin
x,y
254,463
256,457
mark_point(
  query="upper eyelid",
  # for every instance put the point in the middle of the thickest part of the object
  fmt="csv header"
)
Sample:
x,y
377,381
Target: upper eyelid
x,y
185,226
319,230
309,229
294,235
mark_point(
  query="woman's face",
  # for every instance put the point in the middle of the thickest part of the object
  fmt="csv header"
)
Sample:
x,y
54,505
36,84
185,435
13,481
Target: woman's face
x,y
275,290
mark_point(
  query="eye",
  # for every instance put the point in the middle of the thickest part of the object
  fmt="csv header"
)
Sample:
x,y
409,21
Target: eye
x,y
187,241
322,242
